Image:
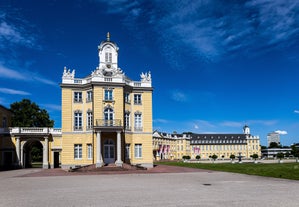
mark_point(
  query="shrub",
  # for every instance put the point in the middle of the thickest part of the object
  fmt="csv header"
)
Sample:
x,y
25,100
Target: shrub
x,y
232,157
186,157
255,156
280,155
197,157
214,157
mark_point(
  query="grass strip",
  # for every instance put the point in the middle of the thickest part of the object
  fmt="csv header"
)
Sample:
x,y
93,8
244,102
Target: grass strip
x,y
276,170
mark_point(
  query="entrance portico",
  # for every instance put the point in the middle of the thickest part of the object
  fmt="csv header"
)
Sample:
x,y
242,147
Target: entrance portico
x,y
109,130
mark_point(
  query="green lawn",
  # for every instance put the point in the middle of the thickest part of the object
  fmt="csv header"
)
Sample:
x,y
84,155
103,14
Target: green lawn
x,y
283,170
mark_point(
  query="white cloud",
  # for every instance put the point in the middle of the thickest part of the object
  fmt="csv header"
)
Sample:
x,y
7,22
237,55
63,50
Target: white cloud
x,y
296,111
52,107
179,96
12,91
232,124
212,29
163,121
281,132
25,75
9,73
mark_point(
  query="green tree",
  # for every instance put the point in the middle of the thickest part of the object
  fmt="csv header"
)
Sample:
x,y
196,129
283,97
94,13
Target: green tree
x,y
280,155
29,114
214,157
255,156
197,157
232,156
274,145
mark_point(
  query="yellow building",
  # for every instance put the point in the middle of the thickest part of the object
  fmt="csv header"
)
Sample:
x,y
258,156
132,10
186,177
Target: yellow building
x,y
205,145
6,147
106,117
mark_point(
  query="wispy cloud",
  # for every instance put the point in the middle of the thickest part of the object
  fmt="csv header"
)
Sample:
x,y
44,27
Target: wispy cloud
x,y
24,76
13,91
232,124
282,132
178,96
54,107
164,121
210,30
296,111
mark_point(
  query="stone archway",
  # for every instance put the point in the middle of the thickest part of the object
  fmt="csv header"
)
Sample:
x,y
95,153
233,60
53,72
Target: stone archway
x,y
32,153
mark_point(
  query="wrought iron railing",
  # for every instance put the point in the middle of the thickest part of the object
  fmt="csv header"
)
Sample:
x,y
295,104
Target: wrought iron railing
x,y
108,123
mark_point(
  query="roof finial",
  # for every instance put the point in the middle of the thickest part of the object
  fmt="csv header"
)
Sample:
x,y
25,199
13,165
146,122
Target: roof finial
x,y
108,36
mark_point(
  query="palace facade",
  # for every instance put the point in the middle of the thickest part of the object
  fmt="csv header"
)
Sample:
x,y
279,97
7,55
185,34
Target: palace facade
x,y
106,118
175,146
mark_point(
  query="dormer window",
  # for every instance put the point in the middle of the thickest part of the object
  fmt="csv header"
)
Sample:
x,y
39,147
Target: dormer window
x,y
108,57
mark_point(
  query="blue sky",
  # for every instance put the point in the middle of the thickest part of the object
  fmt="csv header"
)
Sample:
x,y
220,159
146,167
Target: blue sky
x,y
216,65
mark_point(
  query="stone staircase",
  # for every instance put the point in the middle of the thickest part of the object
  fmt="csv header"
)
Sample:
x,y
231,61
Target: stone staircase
x,y
109,167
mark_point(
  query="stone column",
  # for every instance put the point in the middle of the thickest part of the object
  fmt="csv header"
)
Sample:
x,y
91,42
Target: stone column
x,y
46,154
18,163
22,161
99,162
119,162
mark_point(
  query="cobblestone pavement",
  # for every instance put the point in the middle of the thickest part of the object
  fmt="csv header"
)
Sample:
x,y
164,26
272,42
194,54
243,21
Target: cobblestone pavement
x,y
156,187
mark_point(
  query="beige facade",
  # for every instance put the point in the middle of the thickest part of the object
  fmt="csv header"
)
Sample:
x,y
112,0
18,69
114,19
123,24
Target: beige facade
x,y
106,117
205,145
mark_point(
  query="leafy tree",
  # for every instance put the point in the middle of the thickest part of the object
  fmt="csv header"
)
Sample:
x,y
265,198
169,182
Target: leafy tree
x,y
274,145
29,114
255,156
214,157
263,147
197,157
280,155
232,157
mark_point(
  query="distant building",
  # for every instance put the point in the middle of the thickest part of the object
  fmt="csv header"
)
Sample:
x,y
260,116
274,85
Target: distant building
x,y
273,137
272,152
174,146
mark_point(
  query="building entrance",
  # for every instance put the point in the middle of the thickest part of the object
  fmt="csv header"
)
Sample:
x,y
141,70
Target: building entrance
x,y
109,151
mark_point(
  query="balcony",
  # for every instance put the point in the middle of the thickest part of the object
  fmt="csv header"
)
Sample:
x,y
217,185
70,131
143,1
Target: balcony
x,y
108,125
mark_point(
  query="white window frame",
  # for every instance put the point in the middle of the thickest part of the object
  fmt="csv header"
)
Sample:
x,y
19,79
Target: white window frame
x,y
108,94
127,152
138,121
77,151
78,122
89,123
138,150
88,96
77,97
89,151
108,57
137,99
127,121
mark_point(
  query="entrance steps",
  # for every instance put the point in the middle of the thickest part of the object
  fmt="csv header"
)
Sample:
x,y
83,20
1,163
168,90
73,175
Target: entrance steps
x,y
109,167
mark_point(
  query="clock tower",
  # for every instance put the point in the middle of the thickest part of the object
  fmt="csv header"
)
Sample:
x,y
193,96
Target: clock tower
x,y
108,54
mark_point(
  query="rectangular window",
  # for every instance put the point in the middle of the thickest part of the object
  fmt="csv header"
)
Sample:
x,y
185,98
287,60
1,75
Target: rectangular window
x,y
127,121
127,98
108,95
89,120
108,57
4,122
138,150
77,121
77,97
137,99
89,151
138,122
88,96
127,151
78,151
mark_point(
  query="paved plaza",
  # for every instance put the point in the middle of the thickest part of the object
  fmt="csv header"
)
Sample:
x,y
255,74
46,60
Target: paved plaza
x,y
37,187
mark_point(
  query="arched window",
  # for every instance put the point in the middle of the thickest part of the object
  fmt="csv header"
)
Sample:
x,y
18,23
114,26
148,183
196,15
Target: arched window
x,y
108,116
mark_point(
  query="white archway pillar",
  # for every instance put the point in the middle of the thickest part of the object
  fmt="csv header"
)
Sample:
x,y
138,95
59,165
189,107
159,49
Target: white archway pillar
x,y
18,151
119,162
99,162
46,154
